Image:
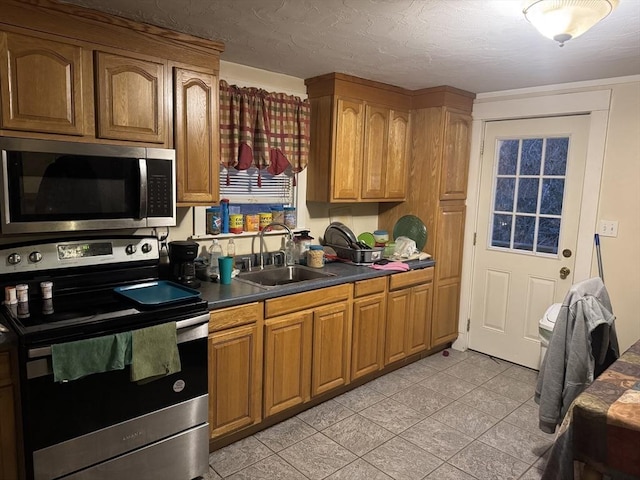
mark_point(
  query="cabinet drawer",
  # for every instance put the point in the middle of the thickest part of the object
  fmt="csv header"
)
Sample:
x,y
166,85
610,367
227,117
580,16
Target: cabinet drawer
x,y
367,287
234,316
413,277
5,368
306,300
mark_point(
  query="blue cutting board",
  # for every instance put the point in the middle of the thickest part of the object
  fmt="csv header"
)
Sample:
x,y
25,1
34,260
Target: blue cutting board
x,y
156,293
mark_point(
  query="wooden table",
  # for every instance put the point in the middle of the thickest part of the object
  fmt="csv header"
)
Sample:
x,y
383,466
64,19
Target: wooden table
x,y
606,420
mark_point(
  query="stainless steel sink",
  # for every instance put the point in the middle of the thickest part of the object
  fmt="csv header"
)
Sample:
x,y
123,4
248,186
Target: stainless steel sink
x,y
272,276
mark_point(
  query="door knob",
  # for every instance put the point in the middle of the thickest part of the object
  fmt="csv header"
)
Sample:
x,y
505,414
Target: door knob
x,y
564,272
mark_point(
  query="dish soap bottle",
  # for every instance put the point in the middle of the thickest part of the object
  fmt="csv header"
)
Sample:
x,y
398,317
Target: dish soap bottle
x,y
215,252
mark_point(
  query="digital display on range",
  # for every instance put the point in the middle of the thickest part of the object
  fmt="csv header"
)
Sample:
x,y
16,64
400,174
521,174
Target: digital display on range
x,y
83,250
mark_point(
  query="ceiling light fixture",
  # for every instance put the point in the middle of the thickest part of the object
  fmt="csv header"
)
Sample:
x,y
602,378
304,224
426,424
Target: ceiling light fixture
x,y
562,20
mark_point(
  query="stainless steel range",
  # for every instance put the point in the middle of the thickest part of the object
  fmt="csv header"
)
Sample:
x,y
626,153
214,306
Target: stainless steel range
x,y
104,425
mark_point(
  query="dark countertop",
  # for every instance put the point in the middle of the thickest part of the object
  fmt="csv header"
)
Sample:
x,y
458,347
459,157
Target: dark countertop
x,y
238,293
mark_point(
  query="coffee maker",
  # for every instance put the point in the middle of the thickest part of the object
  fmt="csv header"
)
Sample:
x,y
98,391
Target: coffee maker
x,y
182,255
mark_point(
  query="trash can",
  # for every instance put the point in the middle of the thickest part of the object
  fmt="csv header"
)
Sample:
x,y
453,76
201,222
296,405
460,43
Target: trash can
x,y
545,328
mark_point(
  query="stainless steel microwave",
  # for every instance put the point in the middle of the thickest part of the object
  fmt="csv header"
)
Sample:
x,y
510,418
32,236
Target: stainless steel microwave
x,y
52,186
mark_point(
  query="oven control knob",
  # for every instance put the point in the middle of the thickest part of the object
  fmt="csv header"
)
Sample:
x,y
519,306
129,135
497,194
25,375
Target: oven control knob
x,y
35,257
130,249
14,259
146,247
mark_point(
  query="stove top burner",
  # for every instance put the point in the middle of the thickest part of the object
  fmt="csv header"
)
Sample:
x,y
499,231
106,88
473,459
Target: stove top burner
x,y
84,301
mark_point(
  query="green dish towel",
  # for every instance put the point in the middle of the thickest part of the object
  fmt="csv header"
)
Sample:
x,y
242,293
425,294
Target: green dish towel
x,y
73,360
154,352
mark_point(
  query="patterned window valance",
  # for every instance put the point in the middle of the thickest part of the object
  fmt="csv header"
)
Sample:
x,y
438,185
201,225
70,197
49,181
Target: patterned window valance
x,y
262,129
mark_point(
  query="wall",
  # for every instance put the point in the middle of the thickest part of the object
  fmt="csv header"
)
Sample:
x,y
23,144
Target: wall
x,y
315,217
618,198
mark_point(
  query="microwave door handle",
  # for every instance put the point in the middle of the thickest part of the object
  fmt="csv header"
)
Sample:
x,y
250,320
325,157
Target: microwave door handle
x,y
142,163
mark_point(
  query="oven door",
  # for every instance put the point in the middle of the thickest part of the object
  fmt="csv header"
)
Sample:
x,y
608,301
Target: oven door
x,y
104,426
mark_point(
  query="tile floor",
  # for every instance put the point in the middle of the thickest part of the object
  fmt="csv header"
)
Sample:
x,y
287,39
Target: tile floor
x,y
465,416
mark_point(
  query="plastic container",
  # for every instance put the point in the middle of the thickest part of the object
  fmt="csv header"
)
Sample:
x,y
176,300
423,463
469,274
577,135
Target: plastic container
x,y
277,215
224,214
381,237
302,241
47,297
22,292
215,252
290,218
214,221
315,256
236,223
265,219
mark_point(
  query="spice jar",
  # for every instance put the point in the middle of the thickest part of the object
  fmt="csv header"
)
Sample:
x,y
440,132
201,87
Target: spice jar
x,y
315,256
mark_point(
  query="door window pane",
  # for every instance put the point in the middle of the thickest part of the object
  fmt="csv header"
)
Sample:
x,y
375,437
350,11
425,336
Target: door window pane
x,y
501,231
529,193
548,235
556,156
524,233
531,156
508,157
552,193
504,194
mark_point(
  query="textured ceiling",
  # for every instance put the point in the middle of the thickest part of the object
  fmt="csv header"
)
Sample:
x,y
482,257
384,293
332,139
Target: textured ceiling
x,y
476,45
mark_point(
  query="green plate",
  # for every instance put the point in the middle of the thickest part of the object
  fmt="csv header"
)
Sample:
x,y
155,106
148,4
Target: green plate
x,y
367,237
412,227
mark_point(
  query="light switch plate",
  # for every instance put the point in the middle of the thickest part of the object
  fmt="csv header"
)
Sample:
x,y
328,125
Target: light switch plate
x,y
608,228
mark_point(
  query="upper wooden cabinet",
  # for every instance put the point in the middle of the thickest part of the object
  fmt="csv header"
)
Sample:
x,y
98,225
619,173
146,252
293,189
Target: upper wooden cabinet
x,y
42,85
455,155
196,136
359,140
130,98
67,70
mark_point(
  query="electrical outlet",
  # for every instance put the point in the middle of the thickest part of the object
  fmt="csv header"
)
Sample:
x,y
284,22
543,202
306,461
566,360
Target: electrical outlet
x,y
608,228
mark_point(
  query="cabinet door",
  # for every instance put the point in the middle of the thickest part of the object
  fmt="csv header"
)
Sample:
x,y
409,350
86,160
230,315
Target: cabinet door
x,y
8,455
235,378
287,362
398,311
397,164
196,137
347,161
375,157
448,269
419,324
367,350
130,98
41,82
331,348
455,157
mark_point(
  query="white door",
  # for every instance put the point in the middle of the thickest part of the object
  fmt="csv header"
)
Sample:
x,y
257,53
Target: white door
x,y
528,215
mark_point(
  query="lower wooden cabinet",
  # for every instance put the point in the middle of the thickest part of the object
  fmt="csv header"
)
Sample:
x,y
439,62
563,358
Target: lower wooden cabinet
x,y
235,369
369,313
8,444
408,323
331,347
287,361
307,346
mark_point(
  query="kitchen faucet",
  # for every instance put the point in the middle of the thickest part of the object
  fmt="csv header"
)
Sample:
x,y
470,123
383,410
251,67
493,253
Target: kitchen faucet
x,y
288,255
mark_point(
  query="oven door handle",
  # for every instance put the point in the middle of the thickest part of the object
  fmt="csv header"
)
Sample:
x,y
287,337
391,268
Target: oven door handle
x,y
187,330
